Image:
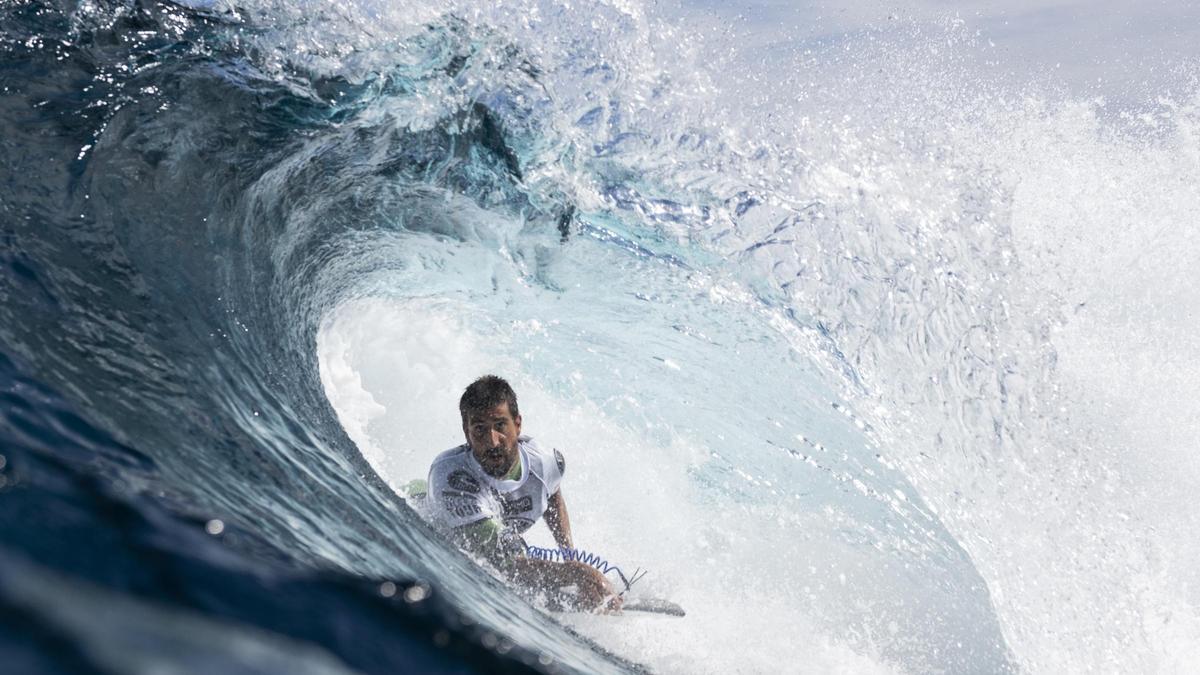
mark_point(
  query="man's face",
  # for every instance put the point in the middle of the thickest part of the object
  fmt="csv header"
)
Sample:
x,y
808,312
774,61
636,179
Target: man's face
x,y
492,435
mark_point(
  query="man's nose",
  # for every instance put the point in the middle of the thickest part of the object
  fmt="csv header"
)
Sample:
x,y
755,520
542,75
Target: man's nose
x,y
495,438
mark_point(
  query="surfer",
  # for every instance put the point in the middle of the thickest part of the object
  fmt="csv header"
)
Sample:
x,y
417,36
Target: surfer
x,y
490,490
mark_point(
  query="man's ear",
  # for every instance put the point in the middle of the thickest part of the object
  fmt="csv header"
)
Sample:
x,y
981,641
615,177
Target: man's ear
x,y
518,422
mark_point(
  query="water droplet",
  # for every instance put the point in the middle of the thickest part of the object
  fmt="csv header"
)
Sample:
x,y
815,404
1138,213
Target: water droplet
x,y
387,589
416,593
214,527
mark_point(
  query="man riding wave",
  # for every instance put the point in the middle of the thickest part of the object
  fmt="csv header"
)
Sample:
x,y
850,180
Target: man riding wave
x,y
490,490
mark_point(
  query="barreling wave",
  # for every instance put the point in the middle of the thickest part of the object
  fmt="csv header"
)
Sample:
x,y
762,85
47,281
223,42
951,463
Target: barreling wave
x,y
810,374
182,206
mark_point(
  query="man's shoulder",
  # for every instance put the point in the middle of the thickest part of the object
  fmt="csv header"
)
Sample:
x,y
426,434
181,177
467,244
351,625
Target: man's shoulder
x,y
456,489
547,464
450,460
530,446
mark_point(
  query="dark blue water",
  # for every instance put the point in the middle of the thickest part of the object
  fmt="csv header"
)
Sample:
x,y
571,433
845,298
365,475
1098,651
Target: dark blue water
x,y
174,488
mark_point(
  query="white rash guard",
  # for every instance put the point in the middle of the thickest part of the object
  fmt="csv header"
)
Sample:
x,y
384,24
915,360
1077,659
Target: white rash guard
x,y
460,493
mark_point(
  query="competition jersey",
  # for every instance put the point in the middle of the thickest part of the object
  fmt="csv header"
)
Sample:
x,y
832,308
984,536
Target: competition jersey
x,y
460,493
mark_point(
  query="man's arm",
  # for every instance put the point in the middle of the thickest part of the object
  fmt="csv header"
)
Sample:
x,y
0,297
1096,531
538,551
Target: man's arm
x,y
558,521
573,583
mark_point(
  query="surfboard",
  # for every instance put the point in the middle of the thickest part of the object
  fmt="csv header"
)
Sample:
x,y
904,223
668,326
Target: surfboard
x,y
653,606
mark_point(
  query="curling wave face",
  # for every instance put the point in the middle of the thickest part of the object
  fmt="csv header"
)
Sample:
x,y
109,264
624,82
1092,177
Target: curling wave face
x,y
254,251
177,220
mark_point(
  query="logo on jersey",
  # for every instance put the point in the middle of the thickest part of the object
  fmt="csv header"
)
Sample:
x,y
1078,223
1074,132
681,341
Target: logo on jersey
x,y
463,481
460,505
515,506
518,524
558,459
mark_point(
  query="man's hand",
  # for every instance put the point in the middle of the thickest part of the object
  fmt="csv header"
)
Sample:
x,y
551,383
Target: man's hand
x,y
594,591
573,583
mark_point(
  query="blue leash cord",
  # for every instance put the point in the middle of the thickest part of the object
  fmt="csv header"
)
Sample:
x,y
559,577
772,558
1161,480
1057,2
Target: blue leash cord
x,y
579,555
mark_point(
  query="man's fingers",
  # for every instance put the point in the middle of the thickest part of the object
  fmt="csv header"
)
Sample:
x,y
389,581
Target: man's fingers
x,y
597,594
593,590
606,605
613,603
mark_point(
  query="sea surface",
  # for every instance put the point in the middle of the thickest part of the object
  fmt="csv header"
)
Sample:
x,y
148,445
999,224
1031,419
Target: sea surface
x,y
869,332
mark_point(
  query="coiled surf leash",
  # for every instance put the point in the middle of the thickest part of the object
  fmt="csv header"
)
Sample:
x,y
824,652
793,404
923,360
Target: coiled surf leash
x,y
563,554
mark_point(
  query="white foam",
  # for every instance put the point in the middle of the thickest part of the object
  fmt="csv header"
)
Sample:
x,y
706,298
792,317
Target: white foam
x,y
393,371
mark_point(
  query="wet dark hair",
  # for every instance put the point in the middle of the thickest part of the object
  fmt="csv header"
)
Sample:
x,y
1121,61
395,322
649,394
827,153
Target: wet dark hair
x,y
486,393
